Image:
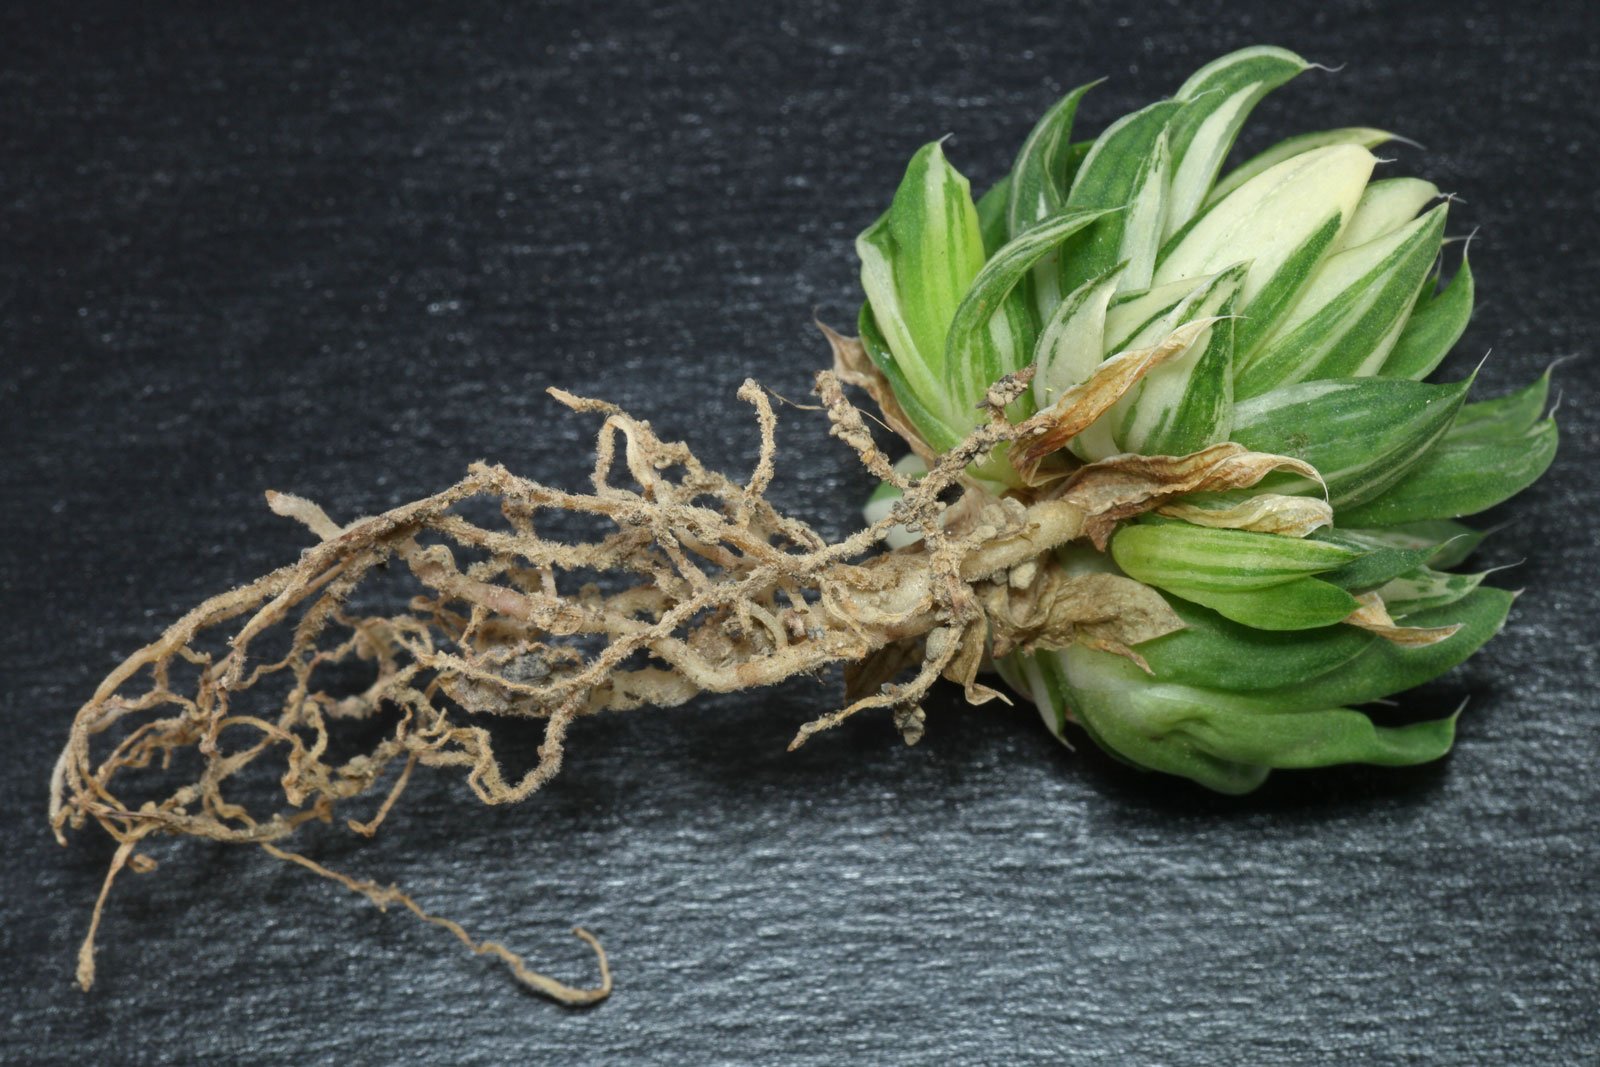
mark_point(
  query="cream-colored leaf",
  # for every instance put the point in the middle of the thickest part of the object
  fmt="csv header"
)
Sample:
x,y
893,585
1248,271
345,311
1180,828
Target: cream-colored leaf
x,y
1293,516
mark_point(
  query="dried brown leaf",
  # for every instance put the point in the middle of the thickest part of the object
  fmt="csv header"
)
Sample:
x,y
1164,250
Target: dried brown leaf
x,y
853,366
1373,615
1123,486
1105,611
1077,409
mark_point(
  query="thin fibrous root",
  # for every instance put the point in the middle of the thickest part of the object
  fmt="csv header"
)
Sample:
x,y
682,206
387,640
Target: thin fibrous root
x,y
688,582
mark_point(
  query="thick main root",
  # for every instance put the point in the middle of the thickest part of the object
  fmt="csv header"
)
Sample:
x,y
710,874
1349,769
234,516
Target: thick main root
x,y
695,583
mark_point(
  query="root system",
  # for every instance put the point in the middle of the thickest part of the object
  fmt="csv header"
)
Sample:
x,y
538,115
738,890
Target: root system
x,y
693,583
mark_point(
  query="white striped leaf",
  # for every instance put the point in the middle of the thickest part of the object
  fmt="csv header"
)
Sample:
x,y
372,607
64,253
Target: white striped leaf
x,y
1361,434
1221,96
1135,319
1070,343
1128,167
1283,221
983,345
937,250
1187,403
917,380
1349,317
1433,329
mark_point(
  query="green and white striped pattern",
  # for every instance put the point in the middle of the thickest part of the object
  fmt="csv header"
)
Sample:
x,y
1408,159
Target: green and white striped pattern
x,y
1322,285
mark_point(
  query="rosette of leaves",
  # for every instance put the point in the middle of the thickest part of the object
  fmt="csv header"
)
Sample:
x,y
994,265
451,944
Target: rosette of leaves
x,y
1315,311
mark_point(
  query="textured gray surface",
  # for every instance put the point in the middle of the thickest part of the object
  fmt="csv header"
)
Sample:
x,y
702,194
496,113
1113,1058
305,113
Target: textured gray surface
x,y
342,254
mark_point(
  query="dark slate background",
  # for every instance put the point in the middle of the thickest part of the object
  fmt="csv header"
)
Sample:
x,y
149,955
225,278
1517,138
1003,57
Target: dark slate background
x,y
340,251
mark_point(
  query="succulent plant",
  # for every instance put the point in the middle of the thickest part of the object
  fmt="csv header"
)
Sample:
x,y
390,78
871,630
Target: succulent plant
x,y
1304,304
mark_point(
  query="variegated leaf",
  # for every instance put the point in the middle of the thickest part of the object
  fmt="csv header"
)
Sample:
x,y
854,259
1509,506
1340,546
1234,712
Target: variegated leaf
x,y
1128,167
1221,96
1361,434
976,356
1187,403
1351,314
1282,222
1038,188
1361,136
1433,329
1069,347
1386,205
937,251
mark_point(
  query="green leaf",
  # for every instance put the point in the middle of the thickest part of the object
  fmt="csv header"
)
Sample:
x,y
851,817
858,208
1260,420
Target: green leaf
x,y
1493,450
1221,95
1384,668
1425,588
1462,477
1127,168
1448,542
1323,738
1503,418
1361,434
1298,604
938,250
1187,403
1352,312
1117,711
929,422
1215,652
1223,741
1434,327
973,357
1361,136
1373,569
1172,553
1282,222
992,215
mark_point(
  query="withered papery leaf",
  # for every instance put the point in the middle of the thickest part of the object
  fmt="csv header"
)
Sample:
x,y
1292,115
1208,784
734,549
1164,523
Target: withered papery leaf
x,y
853,366
1103,611
1078,408
963,669
1293,516
1124,486
1373,615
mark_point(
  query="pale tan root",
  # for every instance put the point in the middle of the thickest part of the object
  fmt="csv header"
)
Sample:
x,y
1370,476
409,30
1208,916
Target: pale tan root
x,y
691,583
